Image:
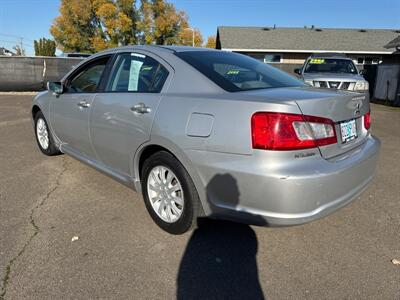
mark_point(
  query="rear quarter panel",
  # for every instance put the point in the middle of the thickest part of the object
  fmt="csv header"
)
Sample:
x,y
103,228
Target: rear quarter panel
x,y
230,129
230,115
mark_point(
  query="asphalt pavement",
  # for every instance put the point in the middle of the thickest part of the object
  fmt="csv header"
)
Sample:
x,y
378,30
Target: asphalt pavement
x,y
119,253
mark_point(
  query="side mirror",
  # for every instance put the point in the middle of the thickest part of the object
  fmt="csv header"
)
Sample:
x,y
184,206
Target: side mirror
x,y
297,71
55,87
363,72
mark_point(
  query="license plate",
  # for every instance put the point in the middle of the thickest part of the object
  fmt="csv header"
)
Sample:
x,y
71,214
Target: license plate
x,y
348,130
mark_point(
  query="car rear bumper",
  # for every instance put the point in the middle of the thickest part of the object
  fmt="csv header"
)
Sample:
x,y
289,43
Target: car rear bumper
x,y
267,189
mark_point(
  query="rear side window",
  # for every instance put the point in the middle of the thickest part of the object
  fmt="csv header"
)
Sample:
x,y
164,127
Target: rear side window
x,y
135,72
235,72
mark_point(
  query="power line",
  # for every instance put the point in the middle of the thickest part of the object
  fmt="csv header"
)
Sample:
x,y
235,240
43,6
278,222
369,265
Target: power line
x,y
16,36
15,43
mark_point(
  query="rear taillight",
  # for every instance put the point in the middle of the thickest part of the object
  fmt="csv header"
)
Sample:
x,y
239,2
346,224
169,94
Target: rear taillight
x,y
283,131
367,120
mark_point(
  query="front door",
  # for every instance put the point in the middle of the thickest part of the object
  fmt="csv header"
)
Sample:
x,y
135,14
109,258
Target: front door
x,y
123,113
70,111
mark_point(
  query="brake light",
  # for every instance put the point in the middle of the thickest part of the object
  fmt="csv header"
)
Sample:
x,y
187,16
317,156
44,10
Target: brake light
x,y
367,120
284,131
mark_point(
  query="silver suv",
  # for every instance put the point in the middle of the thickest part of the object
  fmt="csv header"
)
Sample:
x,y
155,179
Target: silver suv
x,y
333,70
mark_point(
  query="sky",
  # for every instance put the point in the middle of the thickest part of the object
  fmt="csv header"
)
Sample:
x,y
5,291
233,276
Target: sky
x,y
31,19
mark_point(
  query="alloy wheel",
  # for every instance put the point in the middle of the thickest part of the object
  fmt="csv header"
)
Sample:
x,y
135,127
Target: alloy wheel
x,y
42,134
165,193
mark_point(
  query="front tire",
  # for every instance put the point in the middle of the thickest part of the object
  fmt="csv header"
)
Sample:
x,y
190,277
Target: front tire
x,y
43,136
169,193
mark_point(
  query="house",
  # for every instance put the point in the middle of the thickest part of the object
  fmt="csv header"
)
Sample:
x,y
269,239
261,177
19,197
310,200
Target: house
x,y
294,45
6,52
394,44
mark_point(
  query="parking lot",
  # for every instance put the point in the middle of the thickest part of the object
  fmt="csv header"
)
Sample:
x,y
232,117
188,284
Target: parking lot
x,y
119,253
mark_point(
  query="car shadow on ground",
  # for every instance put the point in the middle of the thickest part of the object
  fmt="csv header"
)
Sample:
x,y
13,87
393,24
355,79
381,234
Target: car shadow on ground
x,y
219,261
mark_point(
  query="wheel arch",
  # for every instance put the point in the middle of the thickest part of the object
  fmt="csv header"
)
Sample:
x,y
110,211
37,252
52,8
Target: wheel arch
x,y
147,152
149,149
35,110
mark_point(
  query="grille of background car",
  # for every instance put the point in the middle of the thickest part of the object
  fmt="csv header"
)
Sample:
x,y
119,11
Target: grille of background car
x,y
342,85
334,84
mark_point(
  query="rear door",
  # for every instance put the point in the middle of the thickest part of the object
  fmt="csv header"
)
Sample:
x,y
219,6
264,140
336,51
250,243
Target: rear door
x,y
123,113
70,111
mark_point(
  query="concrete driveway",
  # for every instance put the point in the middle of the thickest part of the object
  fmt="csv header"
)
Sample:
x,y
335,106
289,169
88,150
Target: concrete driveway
x,y
121,254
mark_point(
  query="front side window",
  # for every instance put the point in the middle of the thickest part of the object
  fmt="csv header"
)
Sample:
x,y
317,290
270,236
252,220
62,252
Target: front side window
x,y
135,72
88,79
235,72
330,65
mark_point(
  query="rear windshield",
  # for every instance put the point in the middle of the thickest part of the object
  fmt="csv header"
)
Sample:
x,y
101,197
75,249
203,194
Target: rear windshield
x,y
236,72
330,65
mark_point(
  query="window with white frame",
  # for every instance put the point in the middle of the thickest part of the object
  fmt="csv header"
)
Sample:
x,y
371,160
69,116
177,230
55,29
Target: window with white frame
x,y
368,61
272,58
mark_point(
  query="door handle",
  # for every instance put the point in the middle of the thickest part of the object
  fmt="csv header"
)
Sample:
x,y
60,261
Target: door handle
x,y
140,108
83,104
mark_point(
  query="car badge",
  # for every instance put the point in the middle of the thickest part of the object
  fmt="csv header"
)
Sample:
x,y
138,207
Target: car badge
x,y
357,112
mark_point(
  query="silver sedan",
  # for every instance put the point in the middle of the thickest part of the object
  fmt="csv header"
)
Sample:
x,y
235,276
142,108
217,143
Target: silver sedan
x,y
210,133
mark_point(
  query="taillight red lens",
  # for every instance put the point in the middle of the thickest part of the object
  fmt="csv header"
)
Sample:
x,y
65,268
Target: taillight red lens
x,y
283,131
367,120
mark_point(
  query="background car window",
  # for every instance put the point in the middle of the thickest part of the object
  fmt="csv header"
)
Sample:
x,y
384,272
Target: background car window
x,y
320,65
235,72
88,80
137,73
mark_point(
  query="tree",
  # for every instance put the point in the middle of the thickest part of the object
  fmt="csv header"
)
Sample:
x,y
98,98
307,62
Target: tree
x,y
74,30
211,42
19,51
160,23
45,47
94,25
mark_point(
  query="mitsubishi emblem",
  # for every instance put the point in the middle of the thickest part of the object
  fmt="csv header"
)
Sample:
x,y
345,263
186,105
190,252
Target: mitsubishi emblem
x,y
357,111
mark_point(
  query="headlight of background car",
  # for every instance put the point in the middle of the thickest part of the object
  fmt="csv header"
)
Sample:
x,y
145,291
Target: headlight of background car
x,y
309,82
361,86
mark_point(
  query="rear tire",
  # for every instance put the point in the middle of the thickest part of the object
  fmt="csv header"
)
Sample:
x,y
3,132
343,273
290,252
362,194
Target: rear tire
x,y
169,193
43,136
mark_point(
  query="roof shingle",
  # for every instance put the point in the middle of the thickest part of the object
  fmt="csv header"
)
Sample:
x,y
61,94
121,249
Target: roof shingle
x,y
306,39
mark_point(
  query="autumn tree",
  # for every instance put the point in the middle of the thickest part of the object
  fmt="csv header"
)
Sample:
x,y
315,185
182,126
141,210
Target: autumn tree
x,y
211,42
94,25
115,22
74,30
160,23
45,47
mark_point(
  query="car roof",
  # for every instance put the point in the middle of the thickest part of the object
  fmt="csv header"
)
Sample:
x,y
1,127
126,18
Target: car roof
x,y
186,48
154,48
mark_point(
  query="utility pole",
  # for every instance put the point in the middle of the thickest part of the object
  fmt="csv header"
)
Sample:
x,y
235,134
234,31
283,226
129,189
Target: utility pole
x,y
21,45
189,28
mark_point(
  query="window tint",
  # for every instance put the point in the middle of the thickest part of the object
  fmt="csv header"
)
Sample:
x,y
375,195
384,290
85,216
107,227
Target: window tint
x,y
137,73
88,80
331,65
235,72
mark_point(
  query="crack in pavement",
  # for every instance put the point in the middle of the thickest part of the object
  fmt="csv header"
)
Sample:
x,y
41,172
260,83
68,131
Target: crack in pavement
x,y
5,280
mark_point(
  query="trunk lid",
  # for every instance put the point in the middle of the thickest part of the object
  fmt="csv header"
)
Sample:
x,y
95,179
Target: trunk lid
x,y
339,106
